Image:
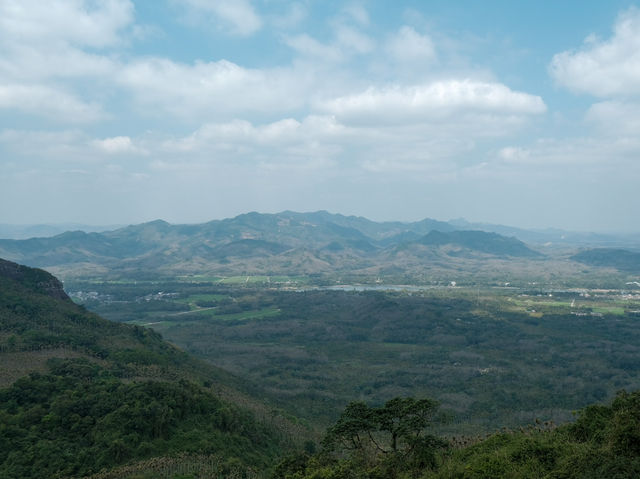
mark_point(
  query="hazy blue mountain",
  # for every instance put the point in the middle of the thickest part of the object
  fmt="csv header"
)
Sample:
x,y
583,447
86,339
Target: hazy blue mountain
x,y
283,243
554,236
10,231
623,260
480,241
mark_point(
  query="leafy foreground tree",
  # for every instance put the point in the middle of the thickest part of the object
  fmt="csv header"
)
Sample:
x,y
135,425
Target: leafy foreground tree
x,y
373,442
390,442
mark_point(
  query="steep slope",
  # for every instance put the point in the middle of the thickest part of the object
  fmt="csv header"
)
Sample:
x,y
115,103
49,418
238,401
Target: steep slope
x,y
83,393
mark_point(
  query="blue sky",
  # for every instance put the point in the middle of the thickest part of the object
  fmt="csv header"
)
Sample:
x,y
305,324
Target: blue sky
x,y
124,111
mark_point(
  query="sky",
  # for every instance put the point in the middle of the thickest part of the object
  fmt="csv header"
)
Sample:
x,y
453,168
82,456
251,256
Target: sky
x,y
123,111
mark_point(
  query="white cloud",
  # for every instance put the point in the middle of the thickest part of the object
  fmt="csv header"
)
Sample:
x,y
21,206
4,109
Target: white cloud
x,y
409,46
575,155
295,14
347,42
432,101
353,40
237,16
604,68
435,147
77,22
513,154
116,145
310,47
48,102
358,13
35,63
283,141
42,40
42,48
212,89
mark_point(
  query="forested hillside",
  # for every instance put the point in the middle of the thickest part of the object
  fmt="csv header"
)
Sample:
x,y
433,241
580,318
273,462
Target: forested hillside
x,y
394,441
82,394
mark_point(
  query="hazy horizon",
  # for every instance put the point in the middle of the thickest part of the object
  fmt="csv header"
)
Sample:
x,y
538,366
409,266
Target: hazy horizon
x,y
107,227
520,114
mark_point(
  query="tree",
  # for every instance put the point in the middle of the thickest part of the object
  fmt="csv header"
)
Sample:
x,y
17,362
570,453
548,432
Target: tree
x,y
404,420
394,433
355,425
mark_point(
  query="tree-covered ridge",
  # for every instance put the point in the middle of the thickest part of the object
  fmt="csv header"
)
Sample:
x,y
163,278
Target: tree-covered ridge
x,y
96,394
79,419
37,315
39,321
34,280
604,442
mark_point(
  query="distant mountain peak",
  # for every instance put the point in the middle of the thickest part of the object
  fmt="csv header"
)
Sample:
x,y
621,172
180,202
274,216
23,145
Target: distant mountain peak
x,y
157,222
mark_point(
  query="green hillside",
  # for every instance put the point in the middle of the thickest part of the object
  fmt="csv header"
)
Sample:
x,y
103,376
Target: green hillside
x,y
82,394
85,397
393,441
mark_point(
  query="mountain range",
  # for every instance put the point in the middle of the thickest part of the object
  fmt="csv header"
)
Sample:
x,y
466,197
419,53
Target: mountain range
x,y
291,243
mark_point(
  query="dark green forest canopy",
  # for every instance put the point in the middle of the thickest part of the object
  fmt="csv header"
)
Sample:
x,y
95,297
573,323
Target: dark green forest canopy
x,y
101,393
79,419
490,357
604,442
120,395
